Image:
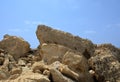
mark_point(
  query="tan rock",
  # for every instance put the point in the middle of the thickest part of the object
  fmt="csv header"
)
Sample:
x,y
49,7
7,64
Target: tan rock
x,y
68,72
1,60
39,67
58,77
29,76
64,70
32,77
77,63
3,75
21,62
16,71
12,77
52,52
46,34
15,46
105,63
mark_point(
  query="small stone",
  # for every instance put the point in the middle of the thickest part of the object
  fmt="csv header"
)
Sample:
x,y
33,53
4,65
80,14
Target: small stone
x,y
21,62
16,71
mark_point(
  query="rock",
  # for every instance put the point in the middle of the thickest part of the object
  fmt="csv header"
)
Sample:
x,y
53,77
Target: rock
x,y
29,76
16,71
48,35
2,51
58,77
3,75
52,52
68,72
15,76
108,48
32,77
16,46
39,67
1,60
78,63
46,73
75,61
105,64
21,62
64,70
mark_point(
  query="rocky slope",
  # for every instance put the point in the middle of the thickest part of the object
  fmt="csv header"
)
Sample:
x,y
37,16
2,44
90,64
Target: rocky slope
x,y
60,57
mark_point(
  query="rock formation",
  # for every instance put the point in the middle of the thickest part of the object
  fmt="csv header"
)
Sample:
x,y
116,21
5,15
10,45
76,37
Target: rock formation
x,y
60,57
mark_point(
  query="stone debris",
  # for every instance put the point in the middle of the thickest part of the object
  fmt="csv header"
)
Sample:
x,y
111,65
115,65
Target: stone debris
x,y
60,57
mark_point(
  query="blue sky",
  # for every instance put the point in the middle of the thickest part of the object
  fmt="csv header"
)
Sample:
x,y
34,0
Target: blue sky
x,y
97,20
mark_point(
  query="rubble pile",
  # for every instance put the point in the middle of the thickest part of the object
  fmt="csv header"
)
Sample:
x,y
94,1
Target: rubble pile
x,y
60,57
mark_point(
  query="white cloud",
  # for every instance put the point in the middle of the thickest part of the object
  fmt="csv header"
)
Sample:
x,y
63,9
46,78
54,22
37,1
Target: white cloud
x,y
72,4
14,30
18,30
27,22
113,25
89,32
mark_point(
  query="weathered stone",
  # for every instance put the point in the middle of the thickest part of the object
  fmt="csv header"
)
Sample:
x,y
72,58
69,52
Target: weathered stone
x,y
32,76
108,49
1,60
12,77
78,63
21,62
16,71
15,46
105,64
68,72
46,34
3,75
1,50
46,73
64,70
52,52
58,77
75,61
29,76
39,67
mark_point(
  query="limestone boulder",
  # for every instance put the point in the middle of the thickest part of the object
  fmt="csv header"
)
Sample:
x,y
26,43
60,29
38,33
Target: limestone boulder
x,y
46,34
28,76
52,52
75,61
15,46
79,64
105,64
3,75
58,77
39,67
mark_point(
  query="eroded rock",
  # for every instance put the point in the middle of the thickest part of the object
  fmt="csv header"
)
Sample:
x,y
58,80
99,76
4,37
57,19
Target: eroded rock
x,y
58,77
46,34
78,63
52,52
61,57
105,64
15,46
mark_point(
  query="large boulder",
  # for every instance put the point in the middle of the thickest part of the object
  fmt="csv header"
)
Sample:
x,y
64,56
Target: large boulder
x,y
15,46
79,64
29,76
46,34
58,77
52,52
105,63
